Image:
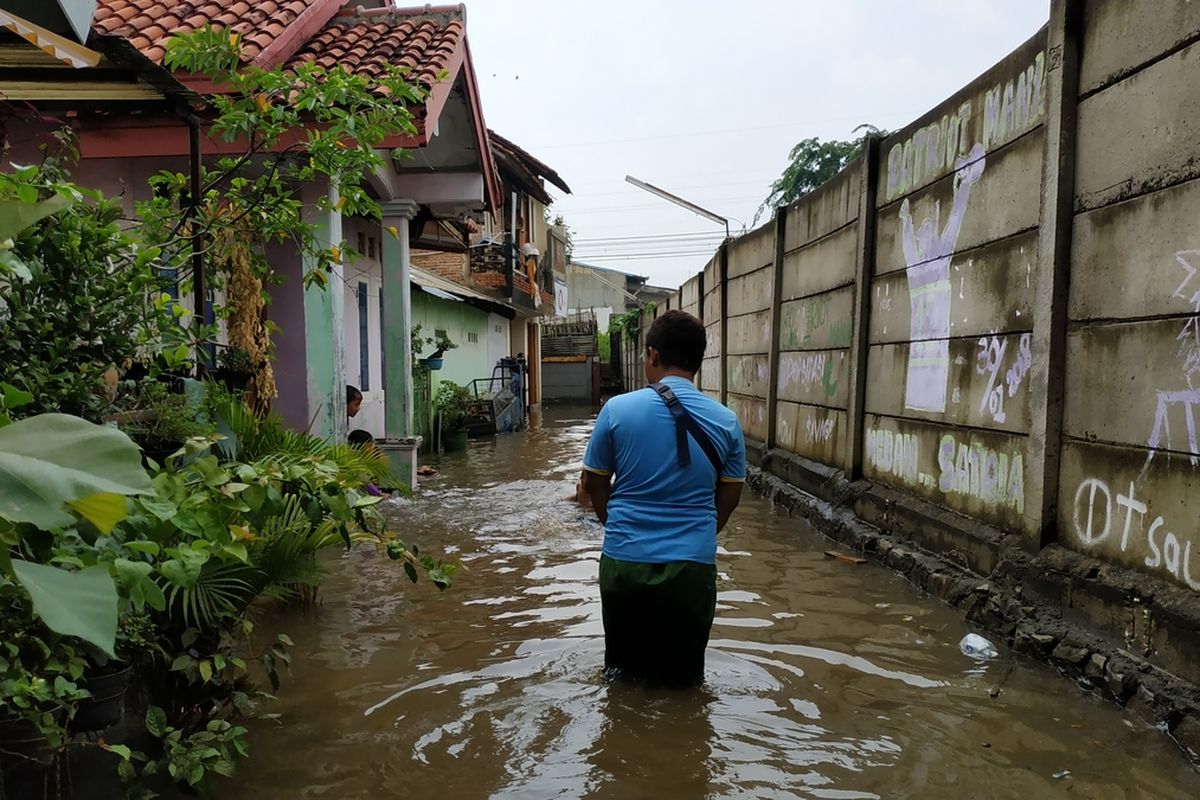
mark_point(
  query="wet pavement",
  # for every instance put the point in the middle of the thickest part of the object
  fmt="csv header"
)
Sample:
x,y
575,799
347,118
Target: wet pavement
x,y
824,679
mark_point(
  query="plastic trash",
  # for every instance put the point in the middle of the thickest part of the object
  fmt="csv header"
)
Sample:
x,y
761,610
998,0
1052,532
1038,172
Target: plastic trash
x,y
975,646
1062,773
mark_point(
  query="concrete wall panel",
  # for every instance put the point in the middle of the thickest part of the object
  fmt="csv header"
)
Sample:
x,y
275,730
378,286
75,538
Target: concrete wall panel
x,y
751,292
976,473
990,290
987,382
817,377
1126,510
714,340
710,375
753,251
749,375
1119,37
749,334
823,265
1131,383
1141,134
998,196
820,322
753,414
812,431
690,293
1139,257
829,207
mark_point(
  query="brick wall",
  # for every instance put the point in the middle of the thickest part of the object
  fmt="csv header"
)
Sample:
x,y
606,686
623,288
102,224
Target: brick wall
x,y
451,266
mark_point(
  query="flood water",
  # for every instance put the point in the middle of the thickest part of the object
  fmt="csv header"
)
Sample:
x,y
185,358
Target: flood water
x,y
824,679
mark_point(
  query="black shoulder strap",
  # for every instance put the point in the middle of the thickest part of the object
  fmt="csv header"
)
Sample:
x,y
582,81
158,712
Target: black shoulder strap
x,y
685,424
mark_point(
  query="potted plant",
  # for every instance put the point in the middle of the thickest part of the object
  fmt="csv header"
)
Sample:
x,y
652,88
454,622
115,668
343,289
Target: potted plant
x,y
234,369
159,420
440,344
453,404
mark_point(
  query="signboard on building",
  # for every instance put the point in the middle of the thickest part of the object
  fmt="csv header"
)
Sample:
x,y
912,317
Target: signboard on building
x,y
560,298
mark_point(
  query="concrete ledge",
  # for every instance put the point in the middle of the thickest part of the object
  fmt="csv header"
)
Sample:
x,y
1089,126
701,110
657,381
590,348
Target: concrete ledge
x,y
1116,632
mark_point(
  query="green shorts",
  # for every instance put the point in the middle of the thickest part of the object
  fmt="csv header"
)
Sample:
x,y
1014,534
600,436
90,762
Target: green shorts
x,y
657,618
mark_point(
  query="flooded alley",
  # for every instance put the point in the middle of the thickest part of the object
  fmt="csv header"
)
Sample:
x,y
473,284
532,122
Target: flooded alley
x,y
824,679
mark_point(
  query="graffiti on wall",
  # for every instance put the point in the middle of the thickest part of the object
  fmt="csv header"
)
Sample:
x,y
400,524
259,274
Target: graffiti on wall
x,y
993,476
1182,403
928,250
1009,109
808,370
1100,514
965,468
810,322
990,361
819,430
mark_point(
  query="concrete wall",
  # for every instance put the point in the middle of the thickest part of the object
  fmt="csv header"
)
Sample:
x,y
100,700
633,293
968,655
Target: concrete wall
x,y
983,336
1129,478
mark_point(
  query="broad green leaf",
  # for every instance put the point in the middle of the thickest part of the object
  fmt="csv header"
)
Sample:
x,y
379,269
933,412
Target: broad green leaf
x,y
149,548
156,721
120,749
206,670
104,510
50,460
17,215
14,397
162,509
82,604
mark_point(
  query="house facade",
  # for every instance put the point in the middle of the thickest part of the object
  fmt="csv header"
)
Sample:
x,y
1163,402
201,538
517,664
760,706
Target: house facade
x,y
358,329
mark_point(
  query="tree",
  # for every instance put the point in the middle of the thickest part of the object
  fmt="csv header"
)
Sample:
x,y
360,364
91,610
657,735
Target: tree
x,y
811,163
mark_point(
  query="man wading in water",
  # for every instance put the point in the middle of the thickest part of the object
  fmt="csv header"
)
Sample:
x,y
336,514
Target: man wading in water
x,y
664,469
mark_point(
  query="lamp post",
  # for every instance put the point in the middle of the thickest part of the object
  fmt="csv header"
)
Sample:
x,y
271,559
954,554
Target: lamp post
x,y
679,201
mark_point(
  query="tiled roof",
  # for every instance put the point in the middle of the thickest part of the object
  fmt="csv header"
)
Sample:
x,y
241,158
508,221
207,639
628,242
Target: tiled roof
x,y
367,43
148,24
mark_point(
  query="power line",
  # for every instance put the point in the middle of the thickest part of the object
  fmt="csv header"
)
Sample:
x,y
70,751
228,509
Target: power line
x,y
652,237
691,134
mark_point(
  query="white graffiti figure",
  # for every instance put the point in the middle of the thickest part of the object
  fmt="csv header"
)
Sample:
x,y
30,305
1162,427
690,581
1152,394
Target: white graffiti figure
x,y
927,255
1185,402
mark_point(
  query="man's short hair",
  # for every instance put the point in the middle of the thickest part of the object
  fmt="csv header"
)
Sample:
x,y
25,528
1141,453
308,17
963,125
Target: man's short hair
x,y
680,340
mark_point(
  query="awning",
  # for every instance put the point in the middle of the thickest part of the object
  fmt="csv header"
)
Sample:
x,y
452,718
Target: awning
x,y
439,293
64,50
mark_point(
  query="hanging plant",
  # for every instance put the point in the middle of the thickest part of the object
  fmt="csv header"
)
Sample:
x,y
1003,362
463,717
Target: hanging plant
x,y
245,314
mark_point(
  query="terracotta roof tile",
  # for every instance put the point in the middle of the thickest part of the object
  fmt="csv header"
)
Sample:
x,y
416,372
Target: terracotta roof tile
x,y
148,24
368,44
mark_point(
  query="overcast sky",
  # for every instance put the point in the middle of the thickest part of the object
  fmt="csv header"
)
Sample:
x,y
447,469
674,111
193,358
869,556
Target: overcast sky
x,y
706,98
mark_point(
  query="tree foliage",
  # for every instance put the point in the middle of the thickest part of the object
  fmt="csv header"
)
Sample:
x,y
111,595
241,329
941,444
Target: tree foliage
x,y
811,163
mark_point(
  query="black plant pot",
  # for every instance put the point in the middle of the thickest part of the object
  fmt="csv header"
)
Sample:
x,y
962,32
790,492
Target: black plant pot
x,y
23,746
106,706
232,380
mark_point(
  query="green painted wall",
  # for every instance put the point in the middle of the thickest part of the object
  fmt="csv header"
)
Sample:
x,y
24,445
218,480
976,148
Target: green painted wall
x,y
469,360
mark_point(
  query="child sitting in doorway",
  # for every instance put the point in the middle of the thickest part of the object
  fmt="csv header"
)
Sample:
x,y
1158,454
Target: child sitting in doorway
x,y
365,441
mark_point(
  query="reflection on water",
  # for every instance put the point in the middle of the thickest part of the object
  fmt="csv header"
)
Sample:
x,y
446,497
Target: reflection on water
x,y
824,679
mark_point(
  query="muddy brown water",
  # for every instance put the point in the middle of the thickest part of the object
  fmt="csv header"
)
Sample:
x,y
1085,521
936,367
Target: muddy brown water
x,y
824,679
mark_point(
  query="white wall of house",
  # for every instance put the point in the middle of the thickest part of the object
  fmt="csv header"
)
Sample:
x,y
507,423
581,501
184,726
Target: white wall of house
x,y
498,341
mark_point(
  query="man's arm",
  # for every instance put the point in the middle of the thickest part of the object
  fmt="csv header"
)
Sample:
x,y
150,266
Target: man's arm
x,y
599,487
729,494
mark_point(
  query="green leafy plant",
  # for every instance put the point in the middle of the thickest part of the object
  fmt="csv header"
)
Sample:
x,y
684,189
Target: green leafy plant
x,y
159,419
73,293
811,163
453,404
236,360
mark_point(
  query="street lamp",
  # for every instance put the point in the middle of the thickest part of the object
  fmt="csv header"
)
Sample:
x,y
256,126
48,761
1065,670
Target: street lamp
x,y
679,201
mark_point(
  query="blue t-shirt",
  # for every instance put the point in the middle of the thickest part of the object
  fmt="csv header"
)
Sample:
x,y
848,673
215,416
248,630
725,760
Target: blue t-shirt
x,y
658,510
